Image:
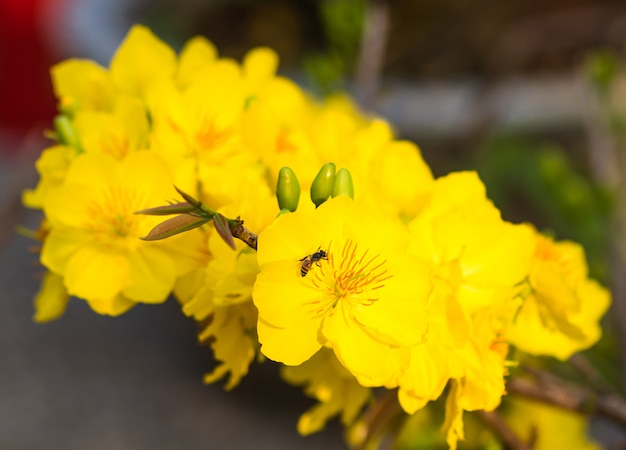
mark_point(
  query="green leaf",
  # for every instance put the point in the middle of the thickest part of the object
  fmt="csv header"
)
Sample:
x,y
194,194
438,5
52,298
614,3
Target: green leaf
x,y
175,225
188,197
175,208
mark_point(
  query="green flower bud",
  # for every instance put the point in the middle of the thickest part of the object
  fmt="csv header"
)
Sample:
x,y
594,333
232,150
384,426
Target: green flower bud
x,y
322,186
343,184
287,189
66,133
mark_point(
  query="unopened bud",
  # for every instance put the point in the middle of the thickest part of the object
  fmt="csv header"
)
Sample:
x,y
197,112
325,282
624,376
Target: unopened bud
x,y
287,189
66,133
322,187
343,184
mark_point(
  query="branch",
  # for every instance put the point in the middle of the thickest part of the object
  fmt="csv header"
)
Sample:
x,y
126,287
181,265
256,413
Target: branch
x,y
574,398
376,422
243,234
507,436
373,43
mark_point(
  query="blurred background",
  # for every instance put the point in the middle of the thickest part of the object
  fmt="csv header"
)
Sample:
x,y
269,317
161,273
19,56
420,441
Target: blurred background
x,y
527,93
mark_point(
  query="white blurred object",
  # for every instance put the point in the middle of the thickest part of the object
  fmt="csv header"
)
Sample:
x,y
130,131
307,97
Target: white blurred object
x,y
90,29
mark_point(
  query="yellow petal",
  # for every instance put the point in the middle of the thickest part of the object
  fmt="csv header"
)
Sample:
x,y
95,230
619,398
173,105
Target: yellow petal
x,y
197,54
453,424
111,306
83,84
260,64
140,61
281,296
151,274
51,300
399,316
292,345
92,273
371,362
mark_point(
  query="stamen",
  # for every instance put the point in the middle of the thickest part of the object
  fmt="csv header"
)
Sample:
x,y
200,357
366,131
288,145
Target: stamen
x,y
346,275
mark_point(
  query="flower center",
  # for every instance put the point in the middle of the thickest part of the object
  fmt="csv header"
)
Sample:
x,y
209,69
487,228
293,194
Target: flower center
x,y
351,275
112,216
116,146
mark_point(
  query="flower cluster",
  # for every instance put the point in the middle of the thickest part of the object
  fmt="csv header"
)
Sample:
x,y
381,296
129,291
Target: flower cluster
x,y
387,278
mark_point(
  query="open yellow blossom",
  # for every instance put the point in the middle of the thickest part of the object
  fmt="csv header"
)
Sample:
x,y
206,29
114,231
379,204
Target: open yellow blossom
x,y
94,239
229,276
219,293
365,299
200,139
118,132
82,85
478,260
561,314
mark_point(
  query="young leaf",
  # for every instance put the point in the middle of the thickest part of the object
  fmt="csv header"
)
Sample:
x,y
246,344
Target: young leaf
x,y
223,229
175,208
175,225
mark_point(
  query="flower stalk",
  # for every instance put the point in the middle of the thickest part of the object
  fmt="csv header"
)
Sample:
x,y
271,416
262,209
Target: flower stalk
x,y
192,214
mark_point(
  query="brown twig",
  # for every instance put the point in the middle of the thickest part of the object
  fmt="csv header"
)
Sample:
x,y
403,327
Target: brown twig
x,y
373,44
574,398
608,168
378,418
500,428
591,374
243,234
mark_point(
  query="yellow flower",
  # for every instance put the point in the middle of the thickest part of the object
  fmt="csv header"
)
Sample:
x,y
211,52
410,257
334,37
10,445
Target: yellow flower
x,y
230,331
219,293
364,299
141,61
200,138
198,53
548,427
336,390
82,85
52,166
561,314
478,261
399,179
94,239
118,132
228,276
51,300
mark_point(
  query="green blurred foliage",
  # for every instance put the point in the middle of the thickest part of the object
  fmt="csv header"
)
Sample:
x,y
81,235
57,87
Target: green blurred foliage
x,y
538,183
601,68
342,23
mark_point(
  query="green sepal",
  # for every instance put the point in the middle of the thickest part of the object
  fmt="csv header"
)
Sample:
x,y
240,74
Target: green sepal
x,y
287,189
322,186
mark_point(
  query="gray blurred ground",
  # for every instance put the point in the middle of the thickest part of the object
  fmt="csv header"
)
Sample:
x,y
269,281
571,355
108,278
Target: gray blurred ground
x,y
133,382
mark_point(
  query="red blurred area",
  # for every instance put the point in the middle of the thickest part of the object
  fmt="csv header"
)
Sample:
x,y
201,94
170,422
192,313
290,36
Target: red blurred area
x,y
26,99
